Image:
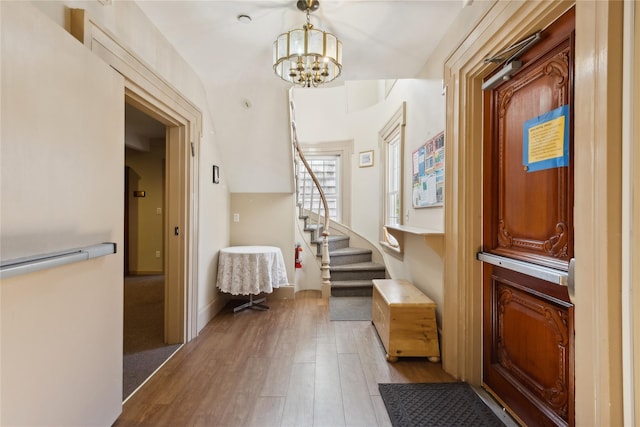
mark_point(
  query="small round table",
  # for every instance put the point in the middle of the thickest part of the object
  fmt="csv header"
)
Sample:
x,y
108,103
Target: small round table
x,y
251,270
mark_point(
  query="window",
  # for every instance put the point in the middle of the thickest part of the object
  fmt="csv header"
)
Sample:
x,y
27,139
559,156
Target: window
x,y
326,169
392,139
393,178
331,162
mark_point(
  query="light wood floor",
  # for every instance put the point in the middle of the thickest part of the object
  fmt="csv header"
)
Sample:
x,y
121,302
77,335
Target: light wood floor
x,y
288,366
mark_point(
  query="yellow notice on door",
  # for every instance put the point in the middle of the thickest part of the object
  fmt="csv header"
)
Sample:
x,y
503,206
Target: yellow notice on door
x,y
546,140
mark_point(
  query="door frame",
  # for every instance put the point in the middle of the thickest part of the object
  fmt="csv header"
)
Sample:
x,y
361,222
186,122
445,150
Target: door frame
x,y
150,93
597,178
631,213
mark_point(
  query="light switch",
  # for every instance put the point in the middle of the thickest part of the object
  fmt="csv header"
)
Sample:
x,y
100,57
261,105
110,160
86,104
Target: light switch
x,y
157,254
236,217
158,211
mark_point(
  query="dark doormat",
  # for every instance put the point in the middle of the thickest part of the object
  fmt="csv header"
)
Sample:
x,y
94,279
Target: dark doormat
x,y
436,404
350,308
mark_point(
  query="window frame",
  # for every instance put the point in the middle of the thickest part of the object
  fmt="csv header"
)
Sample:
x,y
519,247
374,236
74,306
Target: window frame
x,y
393,130
333,198
344,150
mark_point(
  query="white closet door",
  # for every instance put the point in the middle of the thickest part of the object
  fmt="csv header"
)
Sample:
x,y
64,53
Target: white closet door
x,y
62,180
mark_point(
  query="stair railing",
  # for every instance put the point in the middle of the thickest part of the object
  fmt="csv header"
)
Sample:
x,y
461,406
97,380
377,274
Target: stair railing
x,y
325,265
320,199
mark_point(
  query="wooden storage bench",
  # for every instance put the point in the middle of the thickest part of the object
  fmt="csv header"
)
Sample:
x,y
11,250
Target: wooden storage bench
x,y
405,319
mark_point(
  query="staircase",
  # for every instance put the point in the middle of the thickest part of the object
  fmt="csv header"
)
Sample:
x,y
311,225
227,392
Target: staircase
x,y
347,271
352,270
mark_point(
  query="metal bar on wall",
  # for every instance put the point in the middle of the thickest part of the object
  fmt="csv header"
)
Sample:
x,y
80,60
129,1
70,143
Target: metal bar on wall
x,y
34,263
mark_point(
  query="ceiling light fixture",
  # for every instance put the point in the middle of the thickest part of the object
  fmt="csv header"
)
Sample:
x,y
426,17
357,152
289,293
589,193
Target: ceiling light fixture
x,y
307,57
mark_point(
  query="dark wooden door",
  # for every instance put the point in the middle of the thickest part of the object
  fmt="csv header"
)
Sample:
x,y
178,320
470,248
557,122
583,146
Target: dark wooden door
x,y
528,218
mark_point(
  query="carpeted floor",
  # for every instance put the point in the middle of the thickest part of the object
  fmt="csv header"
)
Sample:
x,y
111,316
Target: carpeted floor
x,y
349,308
436,404
143,346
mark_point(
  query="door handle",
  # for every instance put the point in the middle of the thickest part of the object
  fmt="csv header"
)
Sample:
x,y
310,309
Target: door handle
x,y
545,273
176,231
571,282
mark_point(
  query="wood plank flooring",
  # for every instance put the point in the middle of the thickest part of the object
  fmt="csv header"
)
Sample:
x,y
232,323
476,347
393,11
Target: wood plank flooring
x,y
288,366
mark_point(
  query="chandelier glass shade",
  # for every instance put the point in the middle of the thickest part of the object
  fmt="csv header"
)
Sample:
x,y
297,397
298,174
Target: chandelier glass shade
x,y
307,57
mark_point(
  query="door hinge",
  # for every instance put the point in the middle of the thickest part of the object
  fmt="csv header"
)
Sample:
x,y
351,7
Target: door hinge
x,y
193,149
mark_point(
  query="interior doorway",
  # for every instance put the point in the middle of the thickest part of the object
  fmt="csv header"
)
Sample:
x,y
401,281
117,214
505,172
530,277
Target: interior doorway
x,y
145,347
145,146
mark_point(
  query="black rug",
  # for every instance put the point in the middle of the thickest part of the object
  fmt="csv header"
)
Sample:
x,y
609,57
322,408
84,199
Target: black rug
x,y
436,404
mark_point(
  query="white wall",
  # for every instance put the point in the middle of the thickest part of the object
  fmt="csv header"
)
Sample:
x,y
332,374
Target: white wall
x,y
260,145
265,219
309,277
214,224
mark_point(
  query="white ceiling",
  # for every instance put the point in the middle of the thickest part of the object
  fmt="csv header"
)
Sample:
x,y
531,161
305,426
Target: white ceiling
x,y
381,39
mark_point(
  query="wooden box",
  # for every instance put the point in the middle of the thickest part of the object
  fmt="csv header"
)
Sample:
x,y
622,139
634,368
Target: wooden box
x,y
405,319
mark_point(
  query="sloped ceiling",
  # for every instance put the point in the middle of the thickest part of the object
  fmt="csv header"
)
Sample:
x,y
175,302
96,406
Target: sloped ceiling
x,y
248,103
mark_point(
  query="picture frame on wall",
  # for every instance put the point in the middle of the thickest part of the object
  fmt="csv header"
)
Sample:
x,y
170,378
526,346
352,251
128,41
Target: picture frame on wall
x,y
366,159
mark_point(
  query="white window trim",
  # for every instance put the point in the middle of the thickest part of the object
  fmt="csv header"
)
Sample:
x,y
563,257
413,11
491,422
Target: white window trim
x,y
393,128
344,149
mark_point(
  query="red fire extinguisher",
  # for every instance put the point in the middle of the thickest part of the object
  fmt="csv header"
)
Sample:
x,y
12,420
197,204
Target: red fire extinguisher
x,y
298,256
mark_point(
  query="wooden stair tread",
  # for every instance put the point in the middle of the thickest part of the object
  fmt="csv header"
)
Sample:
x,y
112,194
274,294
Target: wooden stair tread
x,y
332,238
351,284
349,251
358,266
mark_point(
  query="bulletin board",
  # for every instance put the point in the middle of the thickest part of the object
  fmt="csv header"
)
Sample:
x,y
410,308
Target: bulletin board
x,y
428,173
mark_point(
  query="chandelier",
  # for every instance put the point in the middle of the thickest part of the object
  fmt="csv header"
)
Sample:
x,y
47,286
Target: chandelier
x,y
307,57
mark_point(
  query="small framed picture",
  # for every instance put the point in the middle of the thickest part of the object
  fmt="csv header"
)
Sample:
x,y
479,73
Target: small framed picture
x,y
216,174
366,159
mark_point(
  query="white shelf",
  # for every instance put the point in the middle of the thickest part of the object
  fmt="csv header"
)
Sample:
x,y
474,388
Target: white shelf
x,y
415,230
433,238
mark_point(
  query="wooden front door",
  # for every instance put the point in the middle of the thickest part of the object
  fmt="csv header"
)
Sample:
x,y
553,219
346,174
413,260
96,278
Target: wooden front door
x,y
528,227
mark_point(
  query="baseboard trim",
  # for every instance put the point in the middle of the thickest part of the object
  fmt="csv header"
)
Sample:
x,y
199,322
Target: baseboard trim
x,y
145,273
284,292
208,312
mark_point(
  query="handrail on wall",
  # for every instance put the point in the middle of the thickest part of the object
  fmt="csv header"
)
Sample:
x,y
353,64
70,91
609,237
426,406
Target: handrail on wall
x,y
16,267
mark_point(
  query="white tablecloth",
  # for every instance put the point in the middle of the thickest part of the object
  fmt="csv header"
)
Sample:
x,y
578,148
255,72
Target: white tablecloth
x,y
250,270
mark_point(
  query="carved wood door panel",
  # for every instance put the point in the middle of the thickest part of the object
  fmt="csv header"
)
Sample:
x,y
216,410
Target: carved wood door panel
x,y
528,218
